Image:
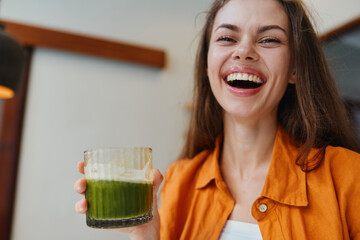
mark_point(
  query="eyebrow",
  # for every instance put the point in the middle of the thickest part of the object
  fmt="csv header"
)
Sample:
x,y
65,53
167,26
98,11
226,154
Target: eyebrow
x,y
261,29
228,26
271,27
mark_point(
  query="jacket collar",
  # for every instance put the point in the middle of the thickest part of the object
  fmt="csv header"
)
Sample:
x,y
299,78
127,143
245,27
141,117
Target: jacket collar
x,y
210,170
285,181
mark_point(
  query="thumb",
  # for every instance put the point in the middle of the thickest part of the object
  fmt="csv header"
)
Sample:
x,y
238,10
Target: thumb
x,y
158,178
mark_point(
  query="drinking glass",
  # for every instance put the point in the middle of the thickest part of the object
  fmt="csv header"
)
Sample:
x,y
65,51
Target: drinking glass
x,y
119,186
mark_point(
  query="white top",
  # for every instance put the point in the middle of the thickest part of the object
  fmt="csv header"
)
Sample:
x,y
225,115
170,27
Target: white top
x,y
234,230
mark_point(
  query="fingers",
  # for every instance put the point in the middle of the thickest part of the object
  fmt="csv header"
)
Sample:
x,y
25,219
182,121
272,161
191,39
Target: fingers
x,y
80,166
80,186
81,206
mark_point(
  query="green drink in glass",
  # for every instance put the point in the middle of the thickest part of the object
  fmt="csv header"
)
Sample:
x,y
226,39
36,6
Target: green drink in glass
x,y
119,187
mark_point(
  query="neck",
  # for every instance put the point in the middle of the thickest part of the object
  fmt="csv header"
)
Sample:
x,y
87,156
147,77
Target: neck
x,y
247,148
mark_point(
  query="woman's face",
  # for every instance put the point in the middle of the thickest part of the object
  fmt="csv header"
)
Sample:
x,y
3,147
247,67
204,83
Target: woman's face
x,y
249,60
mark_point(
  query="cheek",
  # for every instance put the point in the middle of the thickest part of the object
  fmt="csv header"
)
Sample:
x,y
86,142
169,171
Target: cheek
x,y
211,66
210,58
215,61
279,64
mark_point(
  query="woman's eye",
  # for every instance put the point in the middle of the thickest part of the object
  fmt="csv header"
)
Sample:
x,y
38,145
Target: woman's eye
x,y
270,40
225,39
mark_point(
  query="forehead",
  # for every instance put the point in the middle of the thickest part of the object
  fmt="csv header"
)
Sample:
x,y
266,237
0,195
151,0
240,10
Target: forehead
x,y
252,13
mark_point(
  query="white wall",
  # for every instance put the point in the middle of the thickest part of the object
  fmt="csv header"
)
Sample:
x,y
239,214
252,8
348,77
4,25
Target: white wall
x,y
329,14
77,102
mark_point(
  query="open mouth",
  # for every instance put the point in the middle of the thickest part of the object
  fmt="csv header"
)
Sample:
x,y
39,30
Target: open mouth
x,y
244,81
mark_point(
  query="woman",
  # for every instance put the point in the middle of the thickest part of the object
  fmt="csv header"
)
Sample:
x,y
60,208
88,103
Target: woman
x,y
267,153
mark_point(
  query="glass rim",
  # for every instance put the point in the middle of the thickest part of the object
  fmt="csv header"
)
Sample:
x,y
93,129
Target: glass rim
x,y
117,149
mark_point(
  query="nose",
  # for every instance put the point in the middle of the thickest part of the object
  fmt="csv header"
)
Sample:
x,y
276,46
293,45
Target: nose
x,y
245,51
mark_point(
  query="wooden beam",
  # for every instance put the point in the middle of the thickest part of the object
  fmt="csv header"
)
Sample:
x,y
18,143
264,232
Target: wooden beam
x,y
32,36
340,30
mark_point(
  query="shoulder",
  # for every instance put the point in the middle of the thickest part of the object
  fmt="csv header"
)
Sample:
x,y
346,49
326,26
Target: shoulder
x,y
182,176
186,168
340,159
339,170
342,166
177,194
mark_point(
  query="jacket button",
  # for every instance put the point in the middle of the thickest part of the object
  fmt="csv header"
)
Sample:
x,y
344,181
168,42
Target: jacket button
x,y
262,208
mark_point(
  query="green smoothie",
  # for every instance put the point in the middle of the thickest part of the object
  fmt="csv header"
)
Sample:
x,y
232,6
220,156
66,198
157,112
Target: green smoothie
x,y
110,199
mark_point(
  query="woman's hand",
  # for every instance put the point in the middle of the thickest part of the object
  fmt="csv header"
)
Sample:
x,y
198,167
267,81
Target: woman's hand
x,y
150,230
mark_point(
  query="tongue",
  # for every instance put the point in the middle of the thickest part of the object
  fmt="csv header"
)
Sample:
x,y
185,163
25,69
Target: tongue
x,y
244,84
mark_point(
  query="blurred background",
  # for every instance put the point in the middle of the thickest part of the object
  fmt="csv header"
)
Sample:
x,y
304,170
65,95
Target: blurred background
x,y
75,101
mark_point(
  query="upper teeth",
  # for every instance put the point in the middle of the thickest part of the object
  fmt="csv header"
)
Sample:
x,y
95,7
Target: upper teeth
x,y
244,77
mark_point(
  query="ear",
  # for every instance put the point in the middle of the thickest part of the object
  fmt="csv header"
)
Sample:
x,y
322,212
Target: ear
x,y
292,78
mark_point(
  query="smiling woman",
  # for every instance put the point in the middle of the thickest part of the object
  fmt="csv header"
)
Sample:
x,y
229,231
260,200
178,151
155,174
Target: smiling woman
x,y
259,144
269,141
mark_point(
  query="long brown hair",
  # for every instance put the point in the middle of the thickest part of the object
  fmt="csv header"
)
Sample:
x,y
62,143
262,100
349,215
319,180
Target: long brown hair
x,y
311,111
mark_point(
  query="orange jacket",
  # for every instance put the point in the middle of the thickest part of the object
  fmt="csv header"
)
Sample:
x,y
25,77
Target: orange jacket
x,y
321,204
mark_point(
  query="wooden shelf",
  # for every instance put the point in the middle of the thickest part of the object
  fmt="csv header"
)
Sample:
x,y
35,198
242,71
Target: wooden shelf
x,y
340,30
33,36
